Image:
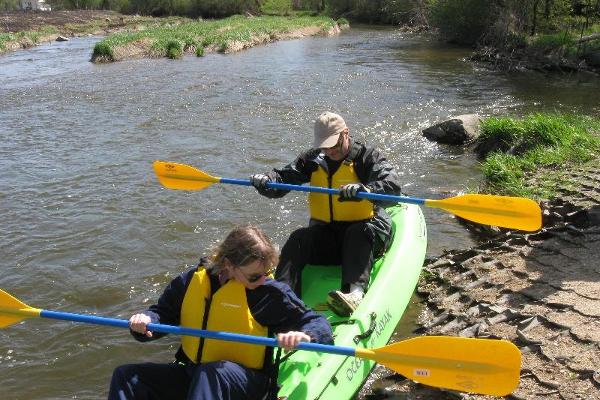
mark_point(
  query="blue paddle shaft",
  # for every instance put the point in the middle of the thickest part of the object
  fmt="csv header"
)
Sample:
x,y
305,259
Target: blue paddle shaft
x,y
178,330
316,189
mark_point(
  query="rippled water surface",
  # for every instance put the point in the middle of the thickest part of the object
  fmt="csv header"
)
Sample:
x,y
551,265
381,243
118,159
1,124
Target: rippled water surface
x,y
86,228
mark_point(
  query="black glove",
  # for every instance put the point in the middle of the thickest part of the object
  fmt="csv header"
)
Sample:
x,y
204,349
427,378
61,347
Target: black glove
x,y
348,192
260,181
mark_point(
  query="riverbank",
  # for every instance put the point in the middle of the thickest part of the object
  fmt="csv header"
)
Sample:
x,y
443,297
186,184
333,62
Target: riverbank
x,y
21,29
563,52
576,55
199,37
528,157
137,37
540,290
555,60
518,36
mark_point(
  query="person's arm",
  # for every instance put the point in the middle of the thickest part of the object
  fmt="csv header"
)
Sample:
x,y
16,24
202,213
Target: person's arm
x,y
378,175
166,311
276,306
297,172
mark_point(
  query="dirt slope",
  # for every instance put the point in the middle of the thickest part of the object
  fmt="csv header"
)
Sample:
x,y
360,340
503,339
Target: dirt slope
x,y
18,21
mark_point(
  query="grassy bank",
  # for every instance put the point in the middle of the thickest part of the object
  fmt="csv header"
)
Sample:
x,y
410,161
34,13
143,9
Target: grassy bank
x,y
24,30
9,41
563,51
530,157
224,35
559,52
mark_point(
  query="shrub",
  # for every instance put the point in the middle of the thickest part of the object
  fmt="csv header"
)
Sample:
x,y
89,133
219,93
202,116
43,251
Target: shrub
x,y
462,21
174,49
276,7
103,49
222,46
377,11
224,8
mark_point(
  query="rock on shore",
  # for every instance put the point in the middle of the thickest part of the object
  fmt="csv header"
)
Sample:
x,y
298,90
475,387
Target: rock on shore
x,y
458,130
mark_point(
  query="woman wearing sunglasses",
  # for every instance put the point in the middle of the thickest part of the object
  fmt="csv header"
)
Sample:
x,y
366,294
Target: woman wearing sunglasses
x,y
232,291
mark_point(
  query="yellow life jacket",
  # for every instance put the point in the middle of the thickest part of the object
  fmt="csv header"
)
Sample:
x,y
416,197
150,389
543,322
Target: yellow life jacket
x,y
229,312
326,208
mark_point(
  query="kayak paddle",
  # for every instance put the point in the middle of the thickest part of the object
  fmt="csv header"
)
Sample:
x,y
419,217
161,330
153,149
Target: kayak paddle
x,y
484,366
507,212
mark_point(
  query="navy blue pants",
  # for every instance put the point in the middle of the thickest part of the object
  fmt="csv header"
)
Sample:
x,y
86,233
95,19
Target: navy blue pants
x,y
352,245
221,380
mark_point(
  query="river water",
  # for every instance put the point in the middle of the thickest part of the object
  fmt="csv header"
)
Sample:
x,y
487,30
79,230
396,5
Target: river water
x,y
86,228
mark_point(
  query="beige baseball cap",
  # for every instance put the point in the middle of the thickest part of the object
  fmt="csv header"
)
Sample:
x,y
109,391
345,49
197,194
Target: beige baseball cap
x,y
327,130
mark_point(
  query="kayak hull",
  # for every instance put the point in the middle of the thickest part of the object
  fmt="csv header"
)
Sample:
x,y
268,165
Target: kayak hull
x,y
311,376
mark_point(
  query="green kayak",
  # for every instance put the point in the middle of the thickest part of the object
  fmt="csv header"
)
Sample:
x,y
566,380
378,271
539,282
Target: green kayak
x,y
307,375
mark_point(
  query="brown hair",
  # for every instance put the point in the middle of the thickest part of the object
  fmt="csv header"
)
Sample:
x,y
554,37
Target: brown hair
x,y
242,246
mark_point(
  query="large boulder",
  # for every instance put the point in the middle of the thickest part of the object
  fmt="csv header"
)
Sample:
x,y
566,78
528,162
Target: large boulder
x,y
459,130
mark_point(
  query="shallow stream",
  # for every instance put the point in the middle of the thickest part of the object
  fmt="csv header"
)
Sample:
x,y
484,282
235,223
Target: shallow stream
x,y
86,228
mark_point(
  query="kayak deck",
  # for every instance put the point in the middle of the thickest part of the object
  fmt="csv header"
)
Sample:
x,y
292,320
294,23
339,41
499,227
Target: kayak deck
x,y
308,375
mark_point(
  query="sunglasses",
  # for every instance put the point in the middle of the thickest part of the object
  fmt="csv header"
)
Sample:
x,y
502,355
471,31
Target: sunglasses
x,y
256,277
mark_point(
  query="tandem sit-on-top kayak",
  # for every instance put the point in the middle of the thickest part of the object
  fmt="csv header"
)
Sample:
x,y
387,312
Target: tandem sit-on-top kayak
x,y
309,375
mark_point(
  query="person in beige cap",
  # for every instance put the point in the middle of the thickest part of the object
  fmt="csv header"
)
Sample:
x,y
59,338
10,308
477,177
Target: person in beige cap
x,y
343,229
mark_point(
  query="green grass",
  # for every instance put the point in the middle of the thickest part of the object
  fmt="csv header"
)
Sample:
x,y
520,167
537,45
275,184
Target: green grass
x,y
104,49
540,142
564,43
553,41
127,23
33,36
220,33
4,39
174,49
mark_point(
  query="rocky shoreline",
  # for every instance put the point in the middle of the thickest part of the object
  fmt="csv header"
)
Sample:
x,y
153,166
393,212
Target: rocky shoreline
x,y
539,290
524,59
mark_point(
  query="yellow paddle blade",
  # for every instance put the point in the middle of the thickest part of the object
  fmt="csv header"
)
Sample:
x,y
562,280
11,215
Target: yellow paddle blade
x,y
183,177
13,310
484,366
487,209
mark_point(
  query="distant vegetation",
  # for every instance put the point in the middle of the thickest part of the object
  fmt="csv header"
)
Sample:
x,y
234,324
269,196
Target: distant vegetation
x,y
546,142
554,34
500,29
506,22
